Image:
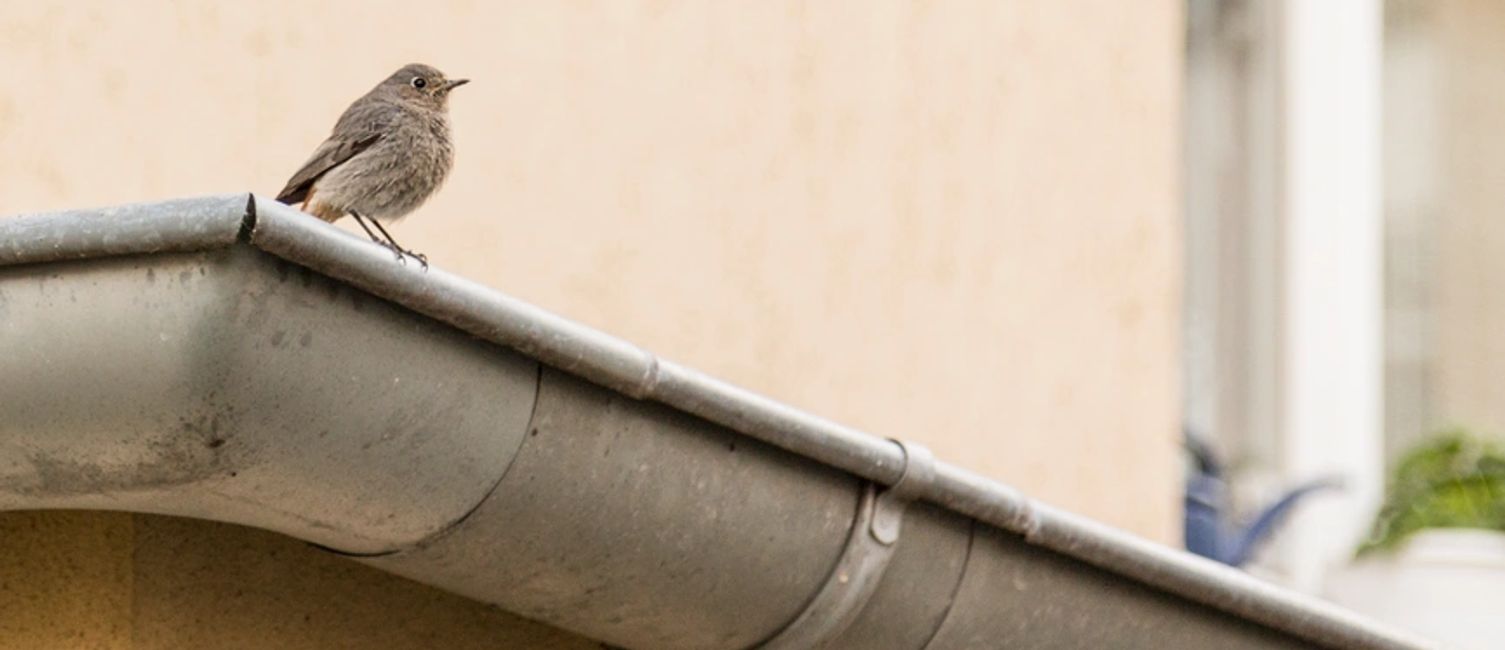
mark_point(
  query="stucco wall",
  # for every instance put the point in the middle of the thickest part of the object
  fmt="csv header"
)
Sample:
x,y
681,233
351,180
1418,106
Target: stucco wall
x,y
951,222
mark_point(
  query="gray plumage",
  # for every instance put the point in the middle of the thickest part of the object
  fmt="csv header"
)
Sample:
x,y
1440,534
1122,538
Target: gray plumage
x,y
387,154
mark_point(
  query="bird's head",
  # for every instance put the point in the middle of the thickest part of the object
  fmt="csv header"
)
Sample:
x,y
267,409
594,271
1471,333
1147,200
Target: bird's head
x,y
423,84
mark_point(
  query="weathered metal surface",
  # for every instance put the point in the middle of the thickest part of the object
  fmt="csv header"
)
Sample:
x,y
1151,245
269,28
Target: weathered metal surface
x,y
864,561
170,226
235,386
615,364
438,294
847,588
1204,582
916,591
634,522
1016,595
914,481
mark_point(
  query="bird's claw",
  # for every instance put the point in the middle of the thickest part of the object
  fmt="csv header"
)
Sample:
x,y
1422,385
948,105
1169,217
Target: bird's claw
x,y
423,260
401,259
404,253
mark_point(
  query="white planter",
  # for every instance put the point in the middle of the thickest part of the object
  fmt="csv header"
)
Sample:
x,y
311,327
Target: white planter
x,y
1447,584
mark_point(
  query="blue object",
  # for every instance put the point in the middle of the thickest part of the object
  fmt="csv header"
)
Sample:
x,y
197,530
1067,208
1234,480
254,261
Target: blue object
x,y
1210,532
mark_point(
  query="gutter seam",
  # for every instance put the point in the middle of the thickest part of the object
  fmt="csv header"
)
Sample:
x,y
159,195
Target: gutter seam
x,y
248,224
956,590
847,588
460,521
647,386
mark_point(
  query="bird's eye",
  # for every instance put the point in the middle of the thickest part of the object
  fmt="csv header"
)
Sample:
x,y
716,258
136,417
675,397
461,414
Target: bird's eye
x,y
419,83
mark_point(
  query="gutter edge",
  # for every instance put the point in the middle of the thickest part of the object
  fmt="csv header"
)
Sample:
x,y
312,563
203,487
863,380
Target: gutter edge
x,y
189,225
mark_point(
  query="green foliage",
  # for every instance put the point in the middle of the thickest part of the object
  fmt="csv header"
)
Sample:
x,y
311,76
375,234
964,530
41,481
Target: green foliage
x,y
1453,480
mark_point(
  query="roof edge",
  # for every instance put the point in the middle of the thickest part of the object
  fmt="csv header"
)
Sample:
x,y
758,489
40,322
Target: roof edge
x,y
178,225
207,223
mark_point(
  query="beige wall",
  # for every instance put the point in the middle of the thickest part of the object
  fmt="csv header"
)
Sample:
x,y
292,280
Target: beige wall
x,y
954,222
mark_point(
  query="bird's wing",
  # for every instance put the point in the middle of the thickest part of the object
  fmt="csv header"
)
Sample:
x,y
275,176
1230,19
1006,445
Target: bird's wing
x,y
360,127
326,157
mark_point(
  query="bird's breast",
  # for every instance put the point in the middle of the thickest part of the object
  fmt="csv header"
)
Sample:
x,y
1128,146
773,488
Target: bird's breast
x,y
402,170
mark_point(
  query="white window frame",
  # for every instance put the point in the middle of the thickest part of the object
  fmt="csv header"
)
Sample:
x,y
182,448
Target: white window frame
x,y
1284,261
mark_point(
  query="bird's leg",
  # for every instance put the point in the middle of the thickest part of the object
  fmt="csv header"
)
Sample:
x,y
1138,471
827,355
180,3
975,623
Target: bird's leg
x,y
392,246
422,259
362,222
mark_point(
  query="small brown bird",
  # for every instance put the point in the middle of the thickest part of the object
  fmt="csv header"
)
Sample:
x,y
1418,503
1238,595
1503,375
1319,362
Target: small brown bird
x,y
387,154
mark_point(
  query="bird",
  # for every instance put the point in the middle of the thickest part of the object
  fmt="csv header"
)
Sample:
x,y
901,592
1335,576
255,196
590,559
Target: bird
x,y
387,154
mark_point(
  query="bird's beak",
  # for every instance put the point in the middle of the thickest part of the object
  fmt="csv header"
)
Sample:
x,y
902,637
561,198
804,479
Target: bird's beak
x,y
454,83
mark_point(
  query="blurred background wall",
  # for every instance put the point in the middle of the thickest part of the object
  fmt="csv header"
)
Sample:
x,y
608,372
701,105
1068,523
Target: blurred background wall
x,y
1408,171
957,223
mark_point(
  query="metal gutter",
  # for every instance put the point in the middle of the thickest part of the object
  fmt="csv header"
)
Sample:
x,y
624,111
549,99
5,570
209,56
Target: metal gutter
x,y
702,530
